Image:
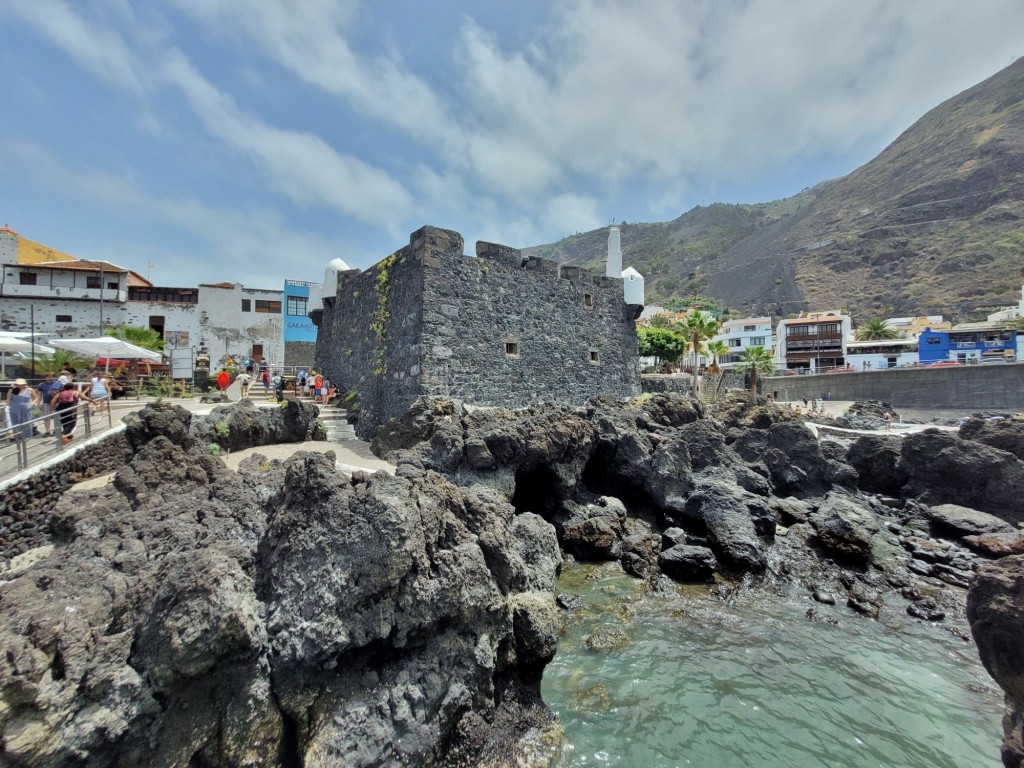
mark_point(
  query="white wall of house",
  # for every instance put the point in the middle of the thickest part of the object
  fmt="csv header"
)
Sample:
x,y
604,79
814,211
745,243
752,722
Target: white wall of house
x,y
219,321
744,333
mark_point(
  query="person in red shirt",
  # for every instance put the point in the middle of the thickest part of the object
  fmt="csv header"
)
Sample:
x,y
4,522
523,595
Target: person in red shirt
x,y
223,380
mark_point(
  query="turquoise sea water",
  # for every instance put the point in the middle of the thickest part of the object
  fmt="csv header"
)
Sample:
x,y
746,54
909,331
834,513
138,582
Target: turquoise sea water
x,y
760,684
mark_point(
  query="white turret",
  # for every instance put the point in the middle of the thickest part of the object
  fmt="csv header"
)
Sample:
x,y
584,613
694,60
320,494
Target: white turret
x,y
614,266
330,289
633,286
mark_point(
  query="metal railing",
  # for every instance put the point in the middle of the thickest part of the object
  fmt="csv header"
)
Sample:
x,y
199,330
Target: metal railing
x,y
28,443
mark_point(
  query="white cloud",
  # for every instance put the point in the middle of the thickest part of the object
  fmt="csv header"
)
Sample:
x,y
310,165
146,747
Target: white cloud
x,y
222,243
310,39
99,50
302,166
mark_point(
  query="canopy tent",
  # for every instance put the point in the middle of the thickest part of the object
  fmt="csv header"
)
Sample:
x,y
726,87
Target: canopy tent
x,y
107,347
17,342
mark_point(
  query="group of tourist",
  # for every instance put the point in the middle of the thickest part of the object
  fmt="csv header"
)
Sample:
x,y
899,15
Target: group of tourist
x,y
59,395
313,385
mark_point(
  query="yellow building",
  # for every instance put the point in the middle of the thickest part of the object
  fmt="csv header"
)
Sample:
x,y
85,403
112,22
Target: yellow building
x,y
15,249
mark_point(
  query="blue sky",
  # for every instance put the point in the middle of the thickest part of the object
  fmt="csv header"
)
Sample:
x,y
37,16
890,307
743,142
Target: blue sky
x,y
254,141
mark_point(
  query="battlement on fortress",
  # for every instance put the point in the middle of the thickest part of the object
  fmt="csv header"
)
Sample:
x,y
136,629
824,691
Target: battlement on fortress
x,y
495,329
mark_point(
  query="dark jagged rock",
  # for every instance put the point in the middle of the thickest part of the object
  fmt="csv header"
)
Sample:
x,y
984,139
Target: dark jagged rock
x,y
1005,434
844,528
963,521
794,458
191,615
942,468
604,639
875,458
732,518
593,530
159,418
688,563
997,544
995,609
243,425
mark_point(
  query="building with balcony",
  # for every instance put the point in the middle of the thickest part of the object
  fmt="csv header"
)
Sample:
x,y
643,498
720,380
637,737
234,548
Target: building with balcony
x,y
968,344
55,294
744,333
814,342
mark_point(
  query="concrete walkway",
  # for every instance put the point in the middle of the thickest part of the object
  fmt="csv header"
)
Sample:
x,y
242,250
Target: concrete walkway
x,y
351,455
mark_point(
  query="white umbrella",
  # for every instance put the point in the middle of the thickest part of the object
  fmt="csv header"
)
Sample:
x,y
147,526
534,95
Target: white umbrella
x,y
108,347
15,344
10,342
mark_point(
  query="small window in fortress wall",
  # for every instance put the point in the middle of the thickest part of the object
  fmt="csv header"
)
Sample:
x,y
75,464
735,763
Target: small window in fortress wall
x,y
512,349
595,357
63,318
588,300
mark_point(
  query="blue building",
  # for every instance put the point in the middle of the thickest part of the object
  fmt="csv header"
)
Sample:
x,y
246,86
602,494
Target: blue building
x,y
967,345
297,325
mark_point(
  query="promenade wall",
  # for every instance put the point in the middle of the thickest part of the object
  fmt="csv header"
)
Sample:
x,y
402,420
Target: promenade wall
x,y
27,500
968,386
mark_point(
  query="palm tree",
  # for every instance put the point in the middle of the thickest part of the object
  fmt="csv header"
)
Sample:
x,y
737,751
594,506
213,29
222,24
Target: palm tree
x,y
698,327
146,338
875,329
716,349
756,361
59,360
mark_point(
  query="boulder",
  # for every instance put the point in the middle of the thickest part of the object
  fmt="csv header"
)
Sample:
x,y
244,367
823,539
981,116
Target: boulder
x,y
942,468
733,518
996,544
995,609
952,519
688,563
794,460
875,459
244,425
844,528
1004,434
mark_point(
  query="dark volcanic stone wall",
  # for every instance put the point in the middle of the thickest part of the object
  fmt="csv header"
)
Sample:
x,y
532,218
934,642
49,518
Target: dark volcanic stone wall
x,y
25,505
491,330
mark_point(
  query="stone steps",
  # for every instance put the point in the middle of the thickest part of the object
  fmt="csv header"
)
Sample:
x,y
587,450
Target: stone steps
x,y
338,429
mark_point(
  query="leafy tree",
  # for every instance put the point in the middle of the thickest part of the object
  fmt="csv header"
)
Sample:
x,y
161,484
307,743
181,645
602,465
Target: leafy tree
x,y
1014,324
59,360
697,328
660,321
146,338
662,343
757,362
875,329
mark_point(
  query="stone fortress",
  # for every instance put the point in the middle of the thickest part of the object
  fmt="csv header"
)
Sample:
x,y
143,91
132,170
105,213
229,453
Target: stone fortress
x,y
495,330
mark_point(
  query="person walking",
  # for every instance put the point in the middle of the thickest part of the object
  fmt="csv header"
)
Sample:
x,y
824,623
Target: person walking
x,y
65,403
46,388
99,391
223,380
244,381
278,382
20,399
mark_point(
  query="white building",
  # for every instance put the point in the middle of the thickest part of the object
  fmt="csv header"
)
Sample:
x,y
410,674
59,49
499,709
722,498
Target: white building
x,y
881,354
81,298
744,333
814,342
1009,313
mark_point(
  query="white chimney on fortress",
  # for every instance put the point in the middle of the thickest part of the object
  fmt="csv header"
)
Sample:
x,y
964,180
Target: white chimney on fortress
x,y
614,266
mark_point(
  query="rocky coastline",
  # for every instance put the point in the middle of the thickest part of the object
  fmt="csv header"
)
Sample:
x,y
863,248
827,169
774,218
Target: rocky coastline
x,y
290,614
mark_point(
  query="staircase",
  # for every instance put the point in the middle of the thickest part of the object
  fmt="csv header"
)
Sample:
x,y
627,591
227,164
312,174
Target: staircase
x,y
338,429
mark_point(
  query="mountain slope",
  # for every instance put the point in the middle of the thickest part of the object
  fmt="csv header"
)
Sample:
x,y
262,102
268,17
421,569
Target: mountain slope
x,y
931,225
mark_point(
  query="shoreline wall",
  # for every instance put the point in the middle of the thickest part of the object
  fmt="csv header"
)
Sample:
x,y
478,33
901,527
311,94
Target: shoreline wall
x,y
26,503
968,386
